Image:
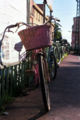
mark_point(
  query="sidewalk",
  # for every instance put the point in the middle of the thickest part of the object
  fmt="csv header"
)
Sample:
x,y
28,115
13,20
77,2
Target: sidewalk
x,y
64,93
25,107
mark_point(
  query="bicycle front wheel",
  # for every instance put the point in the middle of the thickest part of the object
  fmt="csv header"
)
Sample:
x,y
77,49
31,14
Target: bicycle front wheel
x,y
44,80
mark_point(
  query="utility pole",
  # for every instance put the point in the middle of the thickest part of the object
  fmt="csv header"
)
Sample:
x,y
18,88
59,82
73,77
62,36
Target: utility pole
x,y
28,11
44,5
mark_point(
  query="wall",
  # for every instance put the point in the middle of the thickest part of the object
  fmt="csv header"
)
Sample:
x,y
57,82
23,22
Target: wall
x,y
10,13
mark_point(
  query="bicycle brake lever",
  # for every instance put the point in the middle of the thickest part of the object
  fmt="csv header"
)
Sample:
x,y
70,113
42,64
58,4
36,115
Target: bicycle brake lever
x,y
10,30
17,28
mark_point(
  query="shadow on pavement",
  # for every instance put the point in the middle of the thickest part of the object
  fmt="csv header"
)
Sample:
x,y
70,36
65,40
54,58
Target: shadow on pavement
x,y
65,90
41,113
74,63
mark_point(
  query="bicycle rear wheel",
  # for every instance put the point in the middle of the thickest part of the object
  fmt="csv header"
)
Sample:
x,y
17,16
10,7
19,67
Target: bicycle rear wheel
x,y
52,66
44,80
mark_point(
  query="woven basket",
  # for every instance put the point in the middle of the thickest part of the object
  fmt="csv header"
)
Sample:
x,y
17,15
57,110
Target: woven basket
x,y
36,37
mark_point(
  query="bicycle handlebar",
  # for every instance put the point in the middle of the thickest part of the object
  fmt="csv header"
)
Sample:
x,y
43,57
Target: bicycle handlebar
x,y
16,25
22,23
12,26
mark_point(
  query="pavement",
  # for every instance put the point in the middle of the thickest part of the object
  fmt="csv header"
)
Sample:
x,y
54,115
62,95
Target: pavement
x,y
64,93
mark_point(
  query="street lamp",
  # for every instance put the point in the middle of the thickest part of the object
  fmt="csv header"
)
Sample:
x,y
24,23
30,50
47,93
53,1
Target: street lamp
x,y
45,1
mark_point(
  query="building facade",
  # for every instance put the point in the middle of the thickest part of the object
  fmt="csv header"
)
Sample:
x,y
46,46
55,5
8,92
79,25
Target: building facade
x,y
76,29
36,15
76,34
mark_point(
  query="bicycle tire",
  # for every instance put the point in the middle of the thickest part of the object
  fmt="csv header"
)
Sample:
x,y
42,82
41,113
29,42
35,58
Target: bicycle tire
x,y
44,81
52,67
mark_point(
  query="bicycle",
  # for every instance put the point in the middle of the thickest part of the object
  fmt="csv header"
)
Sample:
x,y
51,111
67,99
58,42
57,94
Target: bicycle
x,y
40,55
31,41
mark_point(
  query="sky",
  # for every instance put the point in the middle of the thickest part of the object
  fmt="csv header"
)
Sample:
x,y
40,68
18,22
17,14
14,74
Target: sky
x,y
65,10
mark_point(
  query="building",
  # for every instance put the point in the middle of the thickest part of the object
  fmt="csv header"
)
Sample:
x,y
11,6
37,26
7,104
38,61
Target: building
x,y
36,14
76,34
76,29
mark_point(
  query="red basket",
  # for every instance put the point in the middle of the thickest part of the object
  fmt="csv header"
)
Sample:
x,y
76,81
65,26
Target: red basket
x,y
36,37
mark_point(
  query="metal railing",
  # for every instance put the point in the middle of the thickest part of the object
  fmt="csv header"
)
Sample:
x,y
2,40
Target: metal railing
x,y
15,78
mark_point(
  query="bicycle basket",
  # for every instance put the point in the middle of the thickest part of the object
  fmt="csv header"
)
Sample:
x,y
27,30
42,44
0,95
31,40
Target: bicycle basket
x,y
36,37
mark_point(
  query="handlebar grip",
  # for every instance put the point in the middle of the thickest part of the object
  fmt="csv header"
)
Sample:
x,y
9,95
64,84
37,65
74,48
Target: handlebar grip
x,y
11,26
17,24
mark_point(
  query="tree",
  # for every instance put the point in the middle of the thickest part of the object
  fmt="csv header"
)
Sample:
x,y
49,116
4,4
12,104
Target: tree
x,y
57,33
